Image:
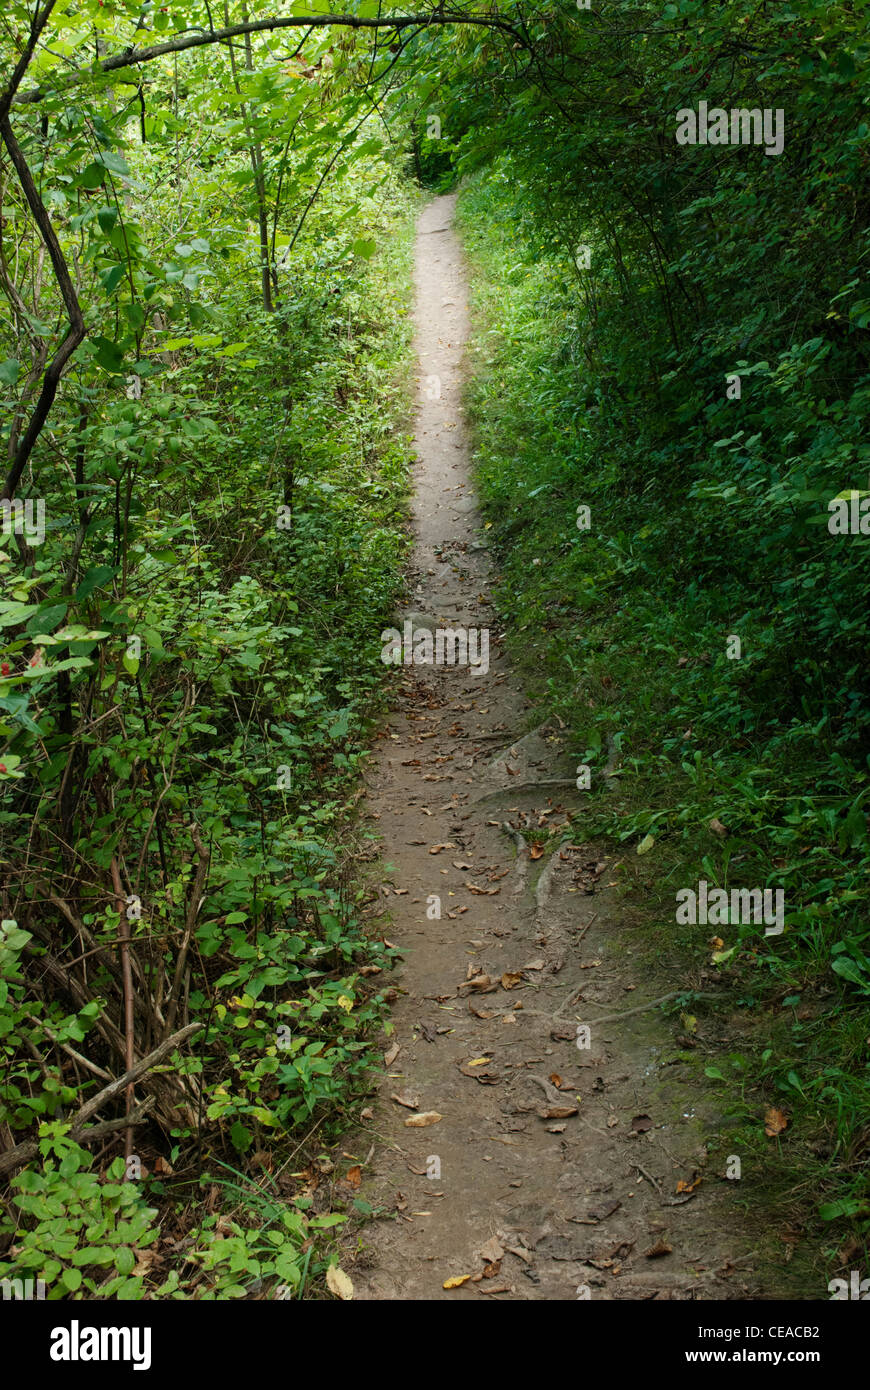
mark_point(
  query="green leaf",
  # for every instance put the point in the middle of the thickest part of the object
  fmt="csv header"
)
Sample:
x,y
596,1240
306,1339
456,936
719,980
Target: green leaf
x,y
92,176
845,1206
112,278
94,578
241,1137
845,966
114,162
108,355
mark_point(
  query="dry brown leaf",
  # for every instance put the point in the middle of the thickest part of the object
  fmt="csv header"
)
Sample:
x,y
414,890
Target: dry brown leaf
x,y
426,1117
511,978
354,1175
558,1112
338,1283
482,983
409,1099
775,1121
456,1282
660,1248
485,1077
492,1252
391,1054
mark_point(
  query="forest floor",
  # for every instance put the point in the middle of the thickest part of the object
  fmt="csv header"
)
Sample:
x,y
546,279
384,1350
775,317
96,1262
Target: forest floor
x,y
554,1170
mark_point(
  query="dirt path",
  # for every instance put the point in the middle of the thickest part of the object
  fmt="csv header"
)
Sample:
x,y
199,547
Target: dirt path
x,y
544,1195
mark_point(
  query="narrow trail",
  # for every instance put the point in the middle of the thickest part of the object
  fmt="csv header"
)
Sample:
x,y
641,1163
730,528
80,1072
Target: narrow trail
x,y
553,1171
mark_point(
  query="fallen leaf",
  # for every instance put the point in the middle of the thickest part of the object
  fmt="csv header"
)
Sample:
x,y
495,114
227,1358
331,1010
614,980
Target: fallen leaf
x,y
646,844
517,1250
492,1252
478,1061
511,978
556,1080
718,828
660,1248
338,1283
406,1098
391,1054
354,1175
641,1123
456,1281
775,1121
683,1186
426,1117
536,851
558,1112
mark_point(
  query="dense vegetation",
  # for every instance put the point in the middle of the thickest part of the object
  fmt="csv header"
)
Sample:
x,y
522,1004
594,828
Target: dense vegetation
x,y
182,697
204,255
608,387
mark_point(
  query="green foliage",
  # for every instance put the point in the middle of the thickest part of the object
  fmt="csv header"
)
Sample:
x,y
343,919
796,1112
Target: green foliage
x,y
606,388
189,663
78,1234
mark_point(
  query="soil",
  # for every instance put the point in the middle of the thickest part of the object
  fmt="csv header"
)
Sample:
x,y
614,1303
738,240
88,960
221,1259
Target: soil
x,y
557,1170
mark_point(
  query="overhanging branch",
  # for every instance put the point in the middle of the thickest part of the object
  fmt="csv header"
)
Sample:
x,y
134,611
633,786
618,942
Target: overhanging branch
x,y
133,57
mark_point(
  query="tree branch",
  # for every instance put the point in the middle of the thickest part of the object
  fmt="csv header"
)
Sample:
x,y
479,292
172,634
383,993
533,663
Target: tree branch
x,y
76,332
132,57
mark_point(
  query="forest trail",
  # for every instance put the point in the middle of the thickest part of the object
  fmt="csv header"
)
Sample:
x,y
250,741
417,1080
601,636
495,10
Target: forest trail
x,y
553,1171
